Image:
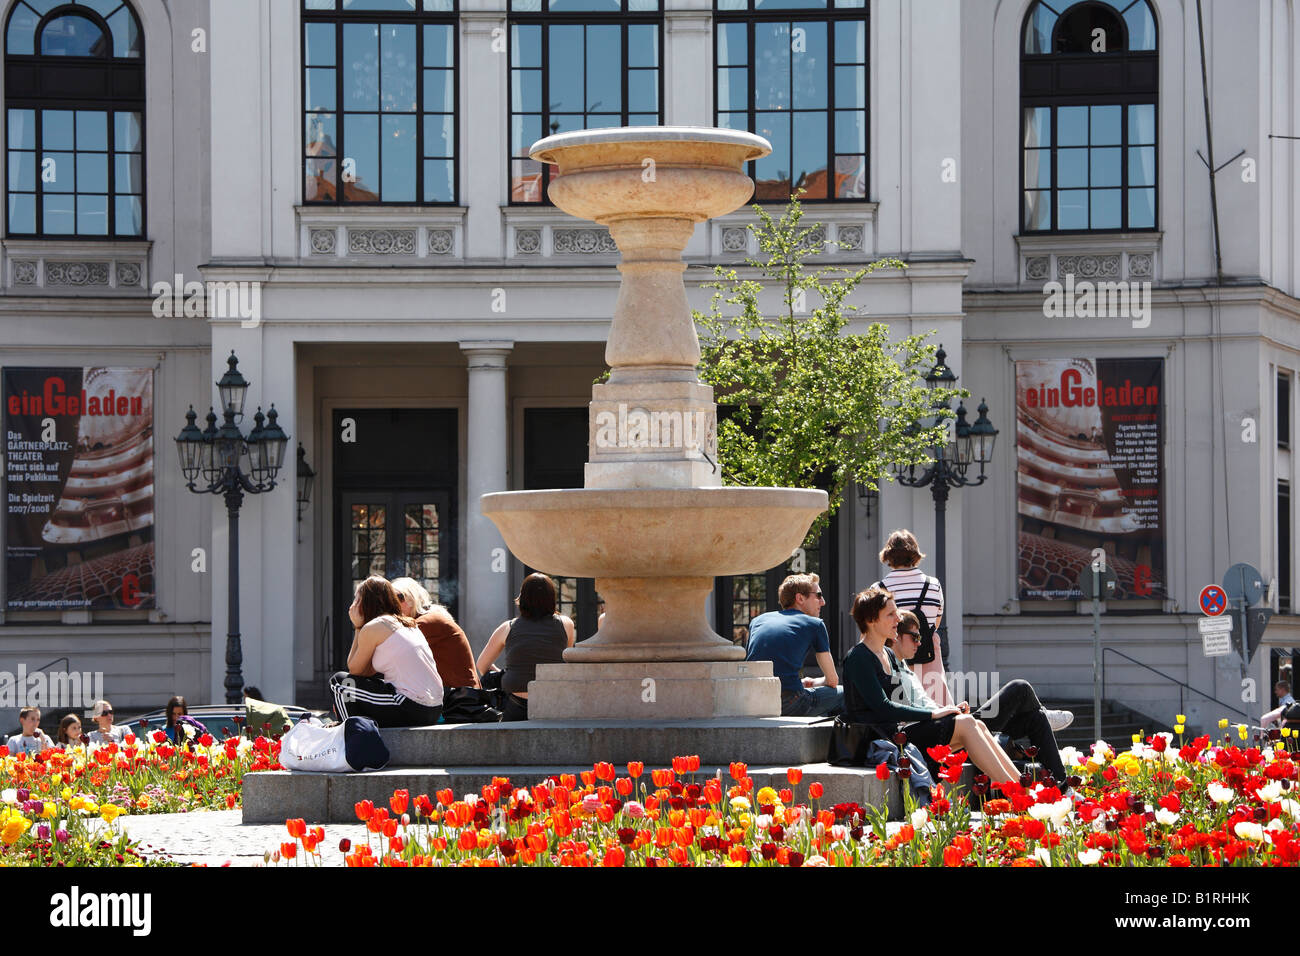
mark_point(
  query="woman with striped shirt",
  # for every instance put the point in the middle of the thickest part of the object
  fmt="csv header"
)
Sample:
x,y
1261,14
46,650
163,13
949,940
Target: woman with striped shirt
x,y
906,582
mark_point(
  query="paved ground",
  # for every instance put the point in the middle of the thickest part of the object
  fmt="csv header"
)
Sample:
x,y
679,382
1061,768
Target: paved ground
x,y
218,837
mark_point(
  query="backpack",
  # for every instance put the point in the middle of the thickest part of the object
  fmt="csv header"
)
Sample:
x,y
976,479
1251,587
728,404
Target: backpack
x,y
925,648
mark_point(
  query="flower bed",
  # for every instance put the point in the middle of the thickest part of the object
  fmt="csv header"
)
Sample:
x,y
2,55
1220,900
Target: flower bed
x,y
1164,802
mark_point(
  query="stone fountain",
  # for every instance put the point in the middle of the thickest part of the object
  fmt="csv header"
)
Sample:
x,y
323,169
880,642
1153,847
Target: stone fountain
x,y
653,524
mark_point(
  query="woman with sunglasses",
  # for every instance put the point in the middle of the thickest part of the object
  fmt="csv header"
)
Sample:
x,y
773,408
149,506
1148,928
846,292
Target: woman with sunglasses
x,y
107,733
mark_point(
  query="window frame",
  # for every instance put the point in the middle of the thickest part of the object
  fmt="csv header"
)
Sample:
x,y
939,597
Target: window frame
x,y
1052,100
826,14
418,18
38,66
584,18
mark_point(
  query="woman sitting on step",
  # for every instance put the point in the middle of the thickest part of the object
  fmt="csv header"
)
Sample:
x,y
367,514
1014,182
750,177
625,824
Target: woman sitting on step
x,y
537,636
391,677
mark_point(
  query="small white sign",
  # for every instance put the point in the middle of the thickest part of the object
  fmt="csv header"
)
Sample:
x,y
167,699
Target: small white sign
x,y
1216,635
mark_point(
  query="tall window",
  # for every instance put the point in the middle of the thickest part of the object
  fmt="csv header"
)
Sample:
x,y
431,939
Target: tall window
x,y
74,107
798,78
379,101
1283,409
1284,552
582,64
1088,85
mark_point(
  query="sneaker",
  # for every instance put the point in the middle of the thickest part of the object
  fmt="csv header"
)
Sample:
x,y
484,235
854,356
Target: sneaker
x,y
1059,720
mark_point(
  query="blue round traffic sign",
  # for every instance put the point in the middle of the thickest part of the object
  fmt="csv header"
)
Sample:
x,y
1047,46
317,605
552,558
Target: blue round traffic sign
x,y
1214,600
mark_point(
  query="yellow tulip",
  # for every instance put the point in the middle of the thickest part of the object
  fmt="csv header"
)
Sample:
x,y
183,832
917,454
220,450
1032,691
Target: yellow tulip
x,y
1286,731
1180,719
1223,723
1242,731
1178,728
766,796
1137,738
110,812
13,829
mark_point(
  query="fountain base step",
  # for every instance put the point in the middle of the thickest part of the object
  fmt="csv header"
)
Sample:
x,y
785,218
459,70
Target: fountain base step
x,y
677,690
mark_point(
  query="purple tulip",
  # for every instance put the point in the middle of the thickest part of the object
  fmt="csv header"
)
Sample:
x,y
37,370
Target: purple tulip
x,y
43,832
38,807
61,835
23,795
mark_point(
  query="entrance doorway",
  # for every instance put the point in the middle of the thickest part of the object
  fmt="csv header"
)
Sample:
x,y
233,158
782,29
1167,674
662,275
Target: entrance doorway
x,y
395,506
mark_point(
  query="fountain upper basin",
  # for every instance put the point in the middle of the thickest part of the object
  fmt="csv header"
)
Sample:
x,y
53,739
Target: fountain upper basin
x,y
653,533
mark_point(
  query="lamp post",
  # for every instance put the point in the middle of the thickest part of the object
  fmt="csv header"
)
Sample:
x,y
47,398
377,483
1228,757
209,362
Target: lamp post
x,y
225,462
972,444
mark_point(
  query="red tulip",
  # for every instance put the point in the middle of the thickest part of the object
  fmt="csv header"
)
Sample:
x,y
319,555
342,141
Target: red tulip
x,y
296,827
882,771
365,810
635,768
739,770
794,775
423,805
614,857
604,771
679,765
815,790
693,763
467,840
446,797
231,800
344,845
786,795
662,778
623,785
399,801
288,850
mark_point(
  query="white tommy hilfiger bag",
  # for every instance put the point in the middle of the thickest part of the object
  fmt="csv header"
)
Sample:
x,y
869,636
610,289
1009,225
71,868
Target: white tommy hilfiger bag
x,y
352,745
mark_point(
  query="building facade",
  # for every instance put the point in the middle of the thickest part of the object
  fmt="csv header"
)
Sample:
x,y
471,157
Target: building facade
x,y
352,178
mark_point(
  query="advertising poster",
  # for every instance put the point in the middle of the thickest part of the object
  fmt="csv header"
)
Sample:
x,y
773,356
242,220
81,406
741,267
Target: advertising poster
x,y
79,489
1090,475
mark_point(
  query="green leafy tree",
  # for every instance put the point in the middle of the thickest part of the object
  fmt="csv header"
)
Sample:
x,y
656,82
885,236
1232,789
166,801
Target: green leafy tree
x,y
815,406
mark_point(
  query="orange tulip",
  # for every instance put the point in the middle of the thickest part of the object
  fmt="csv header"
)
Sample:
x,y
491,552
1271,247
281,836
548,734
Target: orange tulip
x,y
794,775
677,855
365,810
614,857
624,786
738,854
662,778
739,770
684,836
679,765
663,837
296,827
568,781
446,797
815,790
288,850
635,768
604,770
468,840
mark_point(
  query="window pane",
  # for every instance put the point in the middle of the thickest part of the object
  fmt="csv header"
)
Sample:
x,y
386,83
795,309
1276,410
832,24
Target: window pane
x,y
642,45
526,6
809,58
524,131
320,183
399,158
566,122
92,215
1142,124
1072,209
1038,168
733,46
361,136
526,91
127,175
73,35
810,170
604,68
22,171
56,129
643,119
733,89
59,172
126,132
733,121
570,6
378,4
643,90
850,177
320,44
1072,167
439,139
60,214
439,181
438,49
438,6
1142,166
1038,30
1072,126
92,130
526,45
126,34
22,213
772,66
1106,209
1105,167
438,91
92,172
850,87
850,132
1141,208
1106,125
1141,27
360,66
1038,210
21,37
397,65
773,170
789,4
320,89
604,120
22,129
850,42
565,48
1038,126
322,135
525,181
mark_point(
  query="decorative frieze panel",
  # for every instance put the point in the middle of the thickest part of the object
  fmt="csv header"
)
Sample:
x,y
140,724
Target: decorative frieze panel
x,y
397,236
583,242
528,242
31,270
1101,258
381,242
835,233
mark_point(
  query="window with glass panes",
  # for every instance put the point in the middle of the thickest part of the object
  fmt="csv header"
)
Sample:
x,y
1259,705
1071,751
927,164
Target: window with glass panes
x,y
379,100
1089,84
799,79
74,103
578,64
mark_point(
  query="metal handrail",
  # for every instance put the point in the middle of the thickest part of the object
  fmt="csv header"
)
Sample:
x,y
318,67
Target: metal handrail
x,y
1168,677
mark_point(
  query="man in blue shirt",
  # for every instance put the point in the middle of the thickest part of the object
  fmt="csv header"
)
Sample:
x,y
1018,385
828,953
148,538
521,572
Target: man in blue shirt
x,y
786,636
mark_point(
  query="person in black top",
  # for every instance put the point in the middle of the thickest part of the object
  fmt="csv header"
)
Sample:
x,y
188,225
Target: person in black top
x,y
877,686
537,636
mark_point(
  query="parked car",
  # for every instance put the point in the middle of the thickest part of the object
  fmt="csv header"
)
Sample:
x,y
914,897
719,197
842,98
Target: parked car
x,y
222,720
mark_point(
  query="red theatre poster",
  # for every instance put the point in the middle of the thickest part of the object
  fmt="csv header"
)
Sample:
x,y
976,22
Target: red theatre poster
x,y
79,488
1089,440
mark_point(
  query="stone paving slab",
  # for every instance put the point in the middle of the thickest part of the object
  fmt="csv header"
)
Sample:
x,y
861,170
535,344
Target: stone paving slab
x,y
220,837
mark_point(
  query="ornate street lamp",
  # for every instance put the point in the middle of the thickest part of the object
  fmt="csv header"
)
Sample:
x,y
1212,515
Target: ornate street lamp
x,y
221,461
306,478
971,445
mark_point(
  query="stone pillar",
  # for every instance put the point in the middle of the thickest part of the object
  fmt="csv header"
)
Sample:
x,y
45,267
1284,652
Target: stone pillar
x,y
485,591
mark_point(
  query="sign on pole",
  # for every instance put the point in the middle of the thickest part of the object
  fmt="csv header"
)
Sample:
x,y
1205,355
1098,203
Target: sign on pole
x,y
1216,635
1213,600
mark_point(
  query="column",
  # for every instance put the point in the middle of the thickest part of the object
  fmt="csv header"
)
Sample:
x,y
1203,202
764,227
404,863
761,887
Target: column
x,y
485,594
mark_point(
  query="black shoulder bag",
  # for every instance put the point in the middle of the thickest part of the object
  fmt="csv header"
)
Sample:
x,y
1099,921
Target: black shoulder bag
x,y
925,648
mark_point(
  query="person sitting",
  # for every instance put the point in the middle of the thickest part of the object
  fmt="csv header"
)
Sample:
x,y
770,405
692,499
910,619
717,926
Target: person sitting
x,y
391,676
786,636
913,588
1014,710
107,733
32,740
180,726
447,642
537,636
1282,689
69,734
875,683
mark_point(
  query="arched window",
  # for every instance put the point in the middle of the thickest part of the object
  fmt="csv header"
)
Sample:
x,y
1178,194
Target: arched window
x,y
1088,94
74,107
